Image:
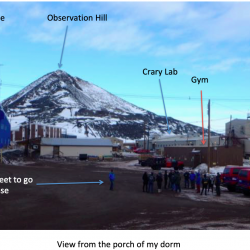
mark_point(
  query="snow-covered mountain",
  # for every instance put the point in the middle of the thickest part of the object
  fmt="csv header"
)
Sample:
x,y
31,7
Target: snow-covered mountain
x,y
85,109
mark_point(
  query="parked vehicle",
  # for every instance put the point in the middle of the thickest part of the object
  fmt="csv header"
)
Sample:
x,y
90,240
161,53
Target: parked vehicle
x,y
142,159
244,181
141,151
156,162
168,162
229,178
178,164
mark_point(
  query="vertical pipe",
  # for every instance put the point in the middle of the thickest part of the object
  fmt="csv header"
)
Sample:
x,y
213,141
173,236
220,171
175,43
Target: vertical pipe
x,y
208,151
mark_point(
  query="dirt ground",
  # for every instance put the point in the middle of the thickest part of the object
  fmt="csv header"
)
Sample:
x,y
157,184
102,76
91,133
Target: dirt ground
x,y
93,206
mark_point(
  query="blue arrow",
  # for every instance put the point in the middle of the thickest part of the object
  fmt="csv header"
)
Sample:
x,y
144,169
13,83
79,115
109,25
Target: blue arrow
x,y
169,130
60,64
70,183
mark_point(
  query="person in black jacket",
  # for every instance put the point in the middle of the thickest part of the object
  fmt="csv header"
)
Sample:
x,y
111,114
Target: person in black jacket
x,y
186,177
165,179
173,180
211,184
145,182
174,164
204,183
177,182
217,184
170,177
159,181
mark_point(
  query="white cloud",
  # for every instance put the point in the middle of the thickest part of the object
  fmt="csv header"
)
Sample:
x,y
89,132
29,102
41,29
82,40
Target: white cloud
x,y
114,35
52,33
183,48
37,11
156,28
117,36
224,65
232,25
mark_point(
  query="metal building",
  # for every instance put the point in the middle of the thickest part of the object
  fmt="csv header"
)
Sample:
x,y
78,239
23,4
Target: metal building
x,y
180,141
239,130
74,147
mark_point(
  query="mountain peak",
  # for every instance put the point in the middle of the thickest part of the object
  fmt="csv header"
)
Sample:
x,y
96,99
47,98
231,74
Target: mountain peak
x,y
60,72
85,109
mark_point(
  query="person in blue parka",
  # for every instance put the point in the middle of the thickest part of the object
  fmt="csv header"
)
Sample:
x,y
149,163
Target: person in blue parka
x,y
198,182
192,180
112,179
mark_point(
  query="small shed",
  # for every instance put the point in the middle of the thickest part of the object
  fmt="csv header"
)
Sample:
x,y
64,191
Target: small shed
x,y
69,147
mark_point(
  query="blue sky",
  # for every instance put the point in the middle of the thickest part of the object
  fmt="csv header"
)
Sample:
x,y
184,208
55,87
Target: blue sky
x,y
208,40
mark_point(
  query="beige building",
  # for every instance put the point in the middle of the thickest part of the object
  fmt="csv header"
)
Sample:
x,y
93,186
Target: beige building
x,y
240,128
74,147
116,141
180,141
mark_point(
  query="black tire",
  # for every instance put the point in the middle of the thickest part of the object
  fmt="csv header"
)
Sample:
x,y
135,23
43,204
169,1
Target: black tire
x,y
231,189
181,167
246,193
156,167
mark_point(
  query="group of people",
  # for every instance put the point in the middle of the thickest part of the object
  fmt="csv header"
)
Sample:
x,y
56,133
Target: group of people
x,y
206,182
172,180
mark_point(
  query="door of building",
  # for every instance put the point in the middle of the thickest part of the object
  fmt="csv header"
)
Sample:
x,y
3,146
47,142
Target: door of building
x,y
56,150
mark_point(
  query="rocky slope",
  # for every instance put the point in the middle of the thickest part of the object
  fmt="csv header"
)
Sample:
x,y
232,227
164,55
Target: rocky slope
x,y
85,109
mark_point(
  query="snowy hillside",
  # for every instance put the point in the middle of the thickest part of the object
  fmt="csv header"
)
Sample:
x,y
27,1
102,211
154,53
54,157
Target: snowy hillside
x,y
85,109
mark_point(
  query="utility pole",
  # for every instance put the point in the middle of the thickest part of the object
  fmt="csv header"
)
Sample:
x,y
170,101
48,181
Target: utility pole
x,y
208,141
28,138
148,139
230,131
144,135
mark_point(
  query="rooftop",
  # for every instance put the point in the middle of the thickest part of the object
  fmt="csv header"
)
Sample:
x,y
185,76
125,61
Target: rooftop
x,y
76,142
185,138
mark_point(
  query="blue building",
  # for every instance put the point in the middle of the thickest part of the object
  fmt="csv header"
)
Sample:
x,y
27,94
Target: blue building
x,y
4,129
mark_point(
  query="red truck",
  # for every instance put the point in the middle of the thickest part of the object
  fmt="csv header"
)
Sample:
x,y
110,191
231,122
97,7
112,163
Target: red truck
x,y
243,184
170,163
141,151
229,178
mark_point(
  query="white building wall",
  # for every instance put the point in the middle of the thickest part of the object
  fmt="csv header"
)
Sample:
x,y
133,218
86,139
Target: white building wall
x,y
241,127
23,133
46,150
214,141
247,146
14,135
36,130
74,151
44,131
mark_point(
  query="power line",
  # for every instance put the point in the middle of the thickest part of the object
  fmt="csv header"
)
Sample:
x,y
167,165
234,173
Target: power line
x,y
220,119
224,106
184,98
191,98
